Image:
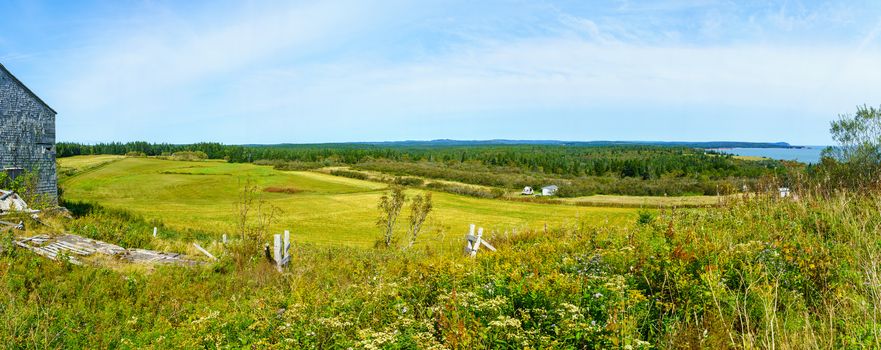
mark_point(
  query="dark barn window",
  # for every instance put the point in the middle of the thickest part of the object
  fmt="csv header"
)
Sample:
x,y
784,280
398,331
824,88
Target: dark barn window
x,y
11,175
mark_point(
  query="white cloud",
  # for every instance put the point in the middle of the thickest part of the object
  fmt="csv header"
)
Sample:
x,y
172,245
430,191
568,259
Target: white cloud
x,y
285,73
576,72
146,66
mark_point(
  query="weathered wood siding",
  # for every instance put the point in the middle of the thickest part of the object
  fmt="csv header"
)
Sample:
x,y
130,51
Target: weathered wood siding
x,y
27,134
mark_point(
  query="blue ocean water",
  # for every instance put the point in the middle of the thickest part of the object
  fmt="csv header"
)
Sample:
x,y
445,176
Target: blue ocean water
x,y
808,154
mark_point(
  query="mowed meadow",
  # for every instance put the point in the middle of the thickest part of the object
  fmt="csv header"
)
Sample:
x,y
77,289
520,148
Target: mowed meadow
x,y
201,196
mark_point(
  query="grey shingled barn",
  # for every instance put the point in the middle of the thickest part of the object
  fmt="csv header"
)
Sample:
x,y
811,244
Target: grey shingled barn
x,y
27,134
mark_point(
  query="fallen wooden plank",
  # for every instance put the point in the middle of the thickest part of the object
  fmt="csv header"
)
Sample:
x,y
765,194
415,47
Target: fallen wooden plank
x,y
72,248
38,238
46,253
204,251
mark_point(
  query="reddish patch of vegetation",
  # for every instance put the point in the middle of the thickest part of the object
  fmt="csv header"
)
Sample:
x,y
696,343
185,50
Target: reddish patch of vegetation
x,y
288,190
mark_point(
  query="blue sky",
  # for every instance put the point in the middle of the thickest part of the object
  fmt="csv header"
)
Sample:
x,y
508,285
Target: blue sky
x,y
325,71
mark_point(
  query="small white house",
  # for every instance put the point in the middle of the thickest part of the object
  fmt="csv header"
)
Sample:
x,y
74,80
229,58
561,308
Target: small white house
x,y
549,190
527,191
784,192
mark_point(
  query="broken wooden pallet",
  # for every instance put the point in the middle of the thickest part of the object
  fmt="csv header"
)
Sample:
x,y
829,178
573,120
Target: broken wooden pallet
x,y
74,246
5,225
144,256
50,251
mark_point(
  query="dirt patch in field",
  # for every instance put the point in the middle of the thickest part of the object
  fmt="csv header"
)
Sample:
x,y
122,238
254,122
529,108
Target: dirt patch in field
x,y
288,190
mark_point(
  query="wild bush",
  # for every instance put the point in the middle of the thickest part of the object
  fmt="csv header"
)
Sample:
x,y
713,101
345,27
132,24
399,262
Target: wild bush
x,y
408,181
390,205
420,208
292,165
25,184
350,174
466,190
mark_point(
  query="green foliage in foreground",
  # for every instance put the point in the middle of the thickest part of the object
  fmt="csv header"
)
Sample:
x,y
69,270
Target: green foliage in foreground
x,y
757,273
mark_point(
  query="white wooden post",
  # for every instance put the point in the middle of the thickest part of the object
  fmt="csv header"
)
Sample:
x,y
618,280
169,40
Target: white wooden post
x,y
477,244
287,244
224,238
154,231
204,251
487,245
468,239
277,250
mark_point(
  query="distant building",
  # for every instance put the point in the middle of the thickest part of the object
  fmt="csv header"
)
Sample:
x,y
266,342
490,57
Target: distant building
x,y
27,134
527,191
784,192
549,190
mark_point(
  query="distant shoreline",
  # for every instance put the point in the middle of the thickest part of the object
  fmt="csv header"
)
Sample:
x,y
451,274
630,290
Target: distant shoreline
x,y
804,154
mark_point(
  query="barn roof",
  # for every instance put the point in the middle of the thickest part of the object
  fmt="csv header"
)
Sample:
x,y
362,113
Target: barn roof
x,y
23,86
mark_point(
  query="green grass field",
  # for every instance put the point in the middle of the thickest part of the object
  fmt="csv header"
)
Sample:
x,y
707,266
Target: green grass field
x,y
80,163
201,196
751,158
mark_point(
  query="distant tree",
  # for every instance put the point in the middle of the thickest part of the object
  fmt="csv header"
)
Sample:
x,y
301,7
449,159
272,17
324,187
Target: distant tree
x,y
390,207
858,148
419,210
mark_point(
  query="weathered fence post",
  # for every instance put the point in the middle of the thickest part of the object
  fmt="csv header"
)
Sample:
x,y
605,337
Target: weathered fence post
x,y
224,238
473,243
277,251
287,246
154,231
469,239
477,243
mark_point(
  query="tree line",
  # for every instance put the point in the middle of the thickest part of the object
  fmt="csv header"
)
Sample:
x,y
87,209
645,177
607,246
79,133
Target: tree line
x,y
645,162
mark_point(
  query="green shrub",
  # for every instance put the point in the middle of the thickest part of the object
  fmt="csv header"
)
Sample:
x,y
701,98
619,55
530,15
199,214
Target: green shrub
x,y
645,218
408,181
466,190
350,174
292,165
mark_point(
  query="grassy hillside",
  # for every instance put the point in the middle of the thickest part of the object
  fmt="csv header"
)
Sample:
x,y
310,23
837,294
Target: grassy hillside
x,y
200,196
75,165
761,273
754,272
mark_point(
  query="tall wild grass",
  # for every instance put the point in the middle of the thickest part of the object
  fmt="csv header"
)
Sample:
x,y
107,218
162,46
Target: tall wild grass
x,y
759,272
